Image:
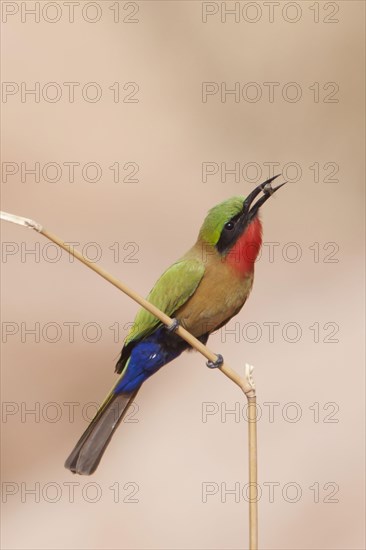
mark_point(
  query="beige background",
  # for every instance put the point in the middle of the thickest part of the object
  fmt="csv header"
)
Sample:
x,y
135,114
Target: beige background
x,y
170,452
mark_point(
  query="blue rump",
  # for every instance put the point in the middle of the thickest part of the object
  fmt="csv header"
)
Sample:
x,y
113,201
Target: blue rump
x,y
148,356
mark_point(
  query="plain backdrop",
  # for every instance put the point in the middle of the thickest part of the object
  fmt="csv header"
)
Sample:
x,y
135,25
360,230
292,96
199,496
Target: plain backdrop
x,y
151,146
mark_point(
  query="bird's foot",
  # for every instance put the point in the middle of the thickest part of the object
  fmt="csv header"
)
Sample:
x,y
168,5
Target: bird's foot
x,y
216,364
173,326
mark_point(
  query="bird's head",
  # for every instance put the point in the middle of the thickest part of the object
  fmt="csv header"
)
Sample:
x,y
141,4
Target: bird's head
x,y
233,227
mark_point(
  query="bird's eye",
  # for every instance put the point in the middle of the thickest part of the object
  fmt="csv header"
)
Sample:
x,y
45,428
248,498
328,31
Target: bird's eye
x,y
229,226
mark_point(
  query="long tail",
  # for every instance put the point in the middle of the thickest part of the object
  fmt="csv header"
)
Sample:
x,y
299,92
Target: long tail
x,y
146,358
89,450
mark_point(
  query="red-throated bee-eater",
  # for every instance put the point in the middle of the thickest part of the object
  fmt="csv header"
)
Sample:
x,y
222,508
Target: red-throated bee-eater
x,y
202,291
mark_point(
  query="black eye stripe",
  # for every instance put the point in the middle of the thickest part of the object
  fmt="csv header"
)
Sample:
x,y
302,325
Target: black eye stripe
x,y
232,222
230,233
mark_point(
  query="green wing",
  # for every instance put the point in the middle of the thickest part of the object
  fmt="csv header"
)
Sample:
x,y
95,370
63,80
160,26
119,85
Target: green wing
x,y
171,291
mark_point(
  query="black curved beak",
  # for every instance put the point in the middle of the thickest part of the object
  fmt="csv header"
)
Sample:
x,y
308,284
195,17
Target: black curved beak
x,y
250,209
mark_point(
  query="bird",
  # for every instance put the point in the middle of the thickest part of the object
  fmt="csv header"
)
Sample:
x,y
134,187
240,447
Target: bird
x,y
201,291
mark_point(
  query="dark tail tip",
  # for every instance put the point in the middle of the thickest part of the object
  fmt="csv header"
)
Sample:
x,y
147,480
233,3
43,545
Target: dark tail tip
x,y
85,457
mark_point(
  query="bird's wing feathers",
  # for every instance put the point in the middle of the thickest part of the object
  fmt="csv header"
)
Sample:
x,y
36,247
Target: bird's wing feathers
x,y
175,286
170,292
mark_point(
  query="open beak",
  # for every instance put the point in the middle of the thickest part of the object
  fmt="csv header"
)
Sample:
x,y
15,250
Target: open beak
x,y
250,209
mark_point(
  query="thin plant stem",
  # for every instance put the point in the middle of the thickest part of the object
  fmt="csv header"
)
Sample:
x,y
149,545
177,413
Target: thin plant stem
x,y
245,383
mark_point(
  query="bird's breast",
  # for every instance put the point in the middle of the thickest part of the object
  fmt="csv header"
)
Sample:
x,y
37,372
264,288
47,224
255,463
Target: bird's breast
x,y
219,296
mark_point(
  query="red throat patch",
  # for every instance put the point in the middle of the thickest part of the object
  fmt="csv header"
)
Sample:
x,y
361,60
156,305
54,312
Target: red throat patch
x,y
245,251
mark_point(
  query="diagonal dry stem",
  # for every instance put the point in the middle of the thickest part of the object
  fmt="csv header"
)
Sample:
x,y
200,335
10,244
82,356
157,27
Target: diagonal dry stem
x,y
245,383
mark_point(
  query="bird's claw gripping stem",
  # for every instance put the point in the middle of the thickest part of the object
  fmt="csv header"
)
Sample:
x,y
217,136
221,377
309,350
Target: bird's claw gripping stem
x,y
216,364
173,326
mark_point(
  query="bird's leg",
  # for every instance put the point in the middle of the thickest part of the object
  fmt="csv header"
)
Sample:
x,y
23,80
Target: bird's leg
x,y
173,326
216,364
